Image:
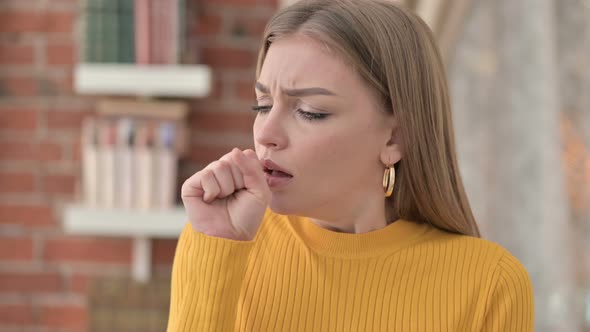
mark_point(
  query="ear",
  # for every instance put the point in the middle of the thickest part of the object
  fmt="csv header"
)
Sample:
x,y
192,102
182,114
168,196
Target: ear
x,y
392,150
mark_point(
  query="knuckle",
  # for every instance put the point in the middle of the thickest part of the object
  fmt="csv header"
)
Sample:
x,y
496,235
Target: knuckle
x,y
226,157
233,151
213,164
207,172
208,176
224,165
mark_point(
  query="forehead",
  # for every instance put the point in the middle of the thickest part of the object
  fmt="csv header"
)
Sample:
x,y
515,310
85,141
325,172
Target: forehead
x,y
299,61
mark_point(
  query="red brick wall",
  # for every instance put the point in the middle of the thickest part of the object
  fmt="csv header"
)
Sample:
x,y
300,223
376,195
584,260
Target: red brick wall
x,y
44,273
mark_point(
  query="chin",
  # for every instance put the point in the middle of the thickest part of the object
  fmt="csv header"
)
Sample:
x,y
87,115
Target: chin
x,y
280,207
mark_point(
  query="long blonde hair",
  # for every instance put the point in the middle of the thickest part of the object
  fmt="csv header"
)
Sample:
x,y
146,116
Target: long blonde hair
x,y
394,51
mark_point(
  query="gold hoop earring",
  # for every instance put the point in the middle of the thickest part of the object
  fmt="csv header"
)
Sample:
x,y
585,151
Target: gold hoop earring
x,y
388,180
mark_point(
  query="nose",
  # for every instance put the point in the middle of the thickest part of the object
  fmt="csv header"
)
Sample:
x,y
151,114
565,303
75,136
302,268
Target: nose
x,y
270,129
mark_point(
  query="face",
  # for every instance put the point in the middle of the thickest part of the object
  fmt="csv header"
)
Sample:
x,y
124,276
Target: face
x,y
322,125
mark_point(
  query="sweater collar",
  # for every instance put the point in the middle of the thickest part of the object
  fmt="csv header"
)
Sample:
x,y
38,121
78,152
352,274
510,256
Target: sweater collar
x,y
397,235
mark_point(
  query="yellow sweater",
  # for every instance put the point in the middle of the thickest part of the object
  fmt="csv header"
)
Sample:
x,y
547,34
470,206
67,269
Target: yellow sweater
x,y
298,276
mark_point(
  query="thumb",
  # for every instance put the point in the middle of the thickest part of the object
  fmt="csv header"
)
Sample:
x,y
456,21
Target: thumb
x,y
252,171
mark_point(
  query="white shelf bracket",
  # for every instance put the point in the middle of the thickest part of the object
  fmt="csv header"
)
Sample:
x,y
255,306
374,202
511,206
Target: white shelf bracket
x,y
142,259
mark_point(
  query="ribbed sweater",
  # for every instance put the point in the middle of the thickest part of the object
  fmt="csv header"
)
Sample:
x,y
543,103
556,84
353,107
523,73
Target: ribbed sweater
x,y
298,276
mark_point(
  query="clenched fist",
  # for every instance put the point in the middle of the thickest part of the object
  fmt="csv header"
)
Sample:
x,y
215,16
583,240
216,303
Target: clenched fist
x,y
228,197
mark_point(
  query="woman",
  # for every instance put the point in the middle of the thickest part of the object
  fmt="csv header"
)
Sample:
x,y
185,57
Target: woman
x,y
351,214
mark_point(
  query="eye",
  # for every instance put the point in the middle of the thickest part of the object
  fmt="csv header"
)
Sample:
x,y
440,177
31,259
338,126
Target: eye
x,y
311,116
307,116
261,109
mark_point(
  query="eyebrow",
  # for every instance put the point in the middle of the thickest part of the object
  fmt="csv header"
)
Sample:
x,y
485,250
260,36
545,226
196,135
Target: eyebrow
x,y
298,92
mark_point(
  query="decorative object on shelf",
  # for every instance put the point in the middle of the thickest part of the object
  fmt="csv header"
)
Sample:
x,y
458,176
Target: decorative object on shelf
x,y
130,154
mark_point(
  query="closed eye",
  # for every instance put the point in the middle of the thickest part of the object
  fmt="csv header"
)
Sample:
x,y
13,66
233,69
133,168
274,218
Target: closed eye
x,y
308,116
262,109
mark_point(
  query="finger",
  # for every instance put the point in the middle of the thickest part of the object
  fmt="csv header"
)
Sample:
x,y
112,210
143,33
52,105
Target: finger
x,y
209,185
254,179
256,163
251,154
192,186
223,174
236,174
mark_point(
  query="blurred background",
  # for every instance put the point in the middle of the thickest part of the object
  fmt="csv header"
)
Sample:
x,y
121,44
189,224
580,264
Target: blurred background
x,y
98,94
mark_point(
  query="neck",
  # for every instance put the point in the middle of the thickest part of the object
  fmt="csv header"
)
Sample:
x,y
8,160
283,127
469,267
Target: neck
x,y
365,220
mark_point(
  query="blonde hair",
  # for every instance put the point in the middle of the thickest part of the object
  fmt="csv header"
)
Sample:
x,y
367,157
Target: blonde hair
x,y
394,51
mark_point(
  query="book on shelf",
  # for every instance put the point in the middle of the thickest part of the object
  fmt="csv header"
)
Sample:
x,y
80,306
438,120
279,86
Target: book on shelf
x,y
130,161
126,31
133,31
142,31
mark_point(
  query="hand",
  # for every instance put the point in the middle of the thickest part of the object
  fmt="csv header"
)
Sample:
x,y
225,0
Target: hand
x,y
228,198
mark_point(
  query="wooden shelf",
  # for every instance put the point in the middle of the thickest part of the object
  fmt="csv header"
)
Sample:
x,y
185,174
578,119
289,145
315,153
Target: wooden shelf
x,y
142,80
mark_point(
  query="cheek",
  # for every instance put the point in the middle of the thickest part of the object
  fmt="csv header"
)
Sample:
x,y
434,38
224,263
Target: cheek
x,y
347,153
329,156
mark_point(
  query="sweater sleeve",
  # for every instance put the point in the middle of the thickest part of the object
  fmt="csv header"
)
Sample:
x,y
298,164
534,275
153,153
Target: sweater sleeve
x,y
511,306
206,280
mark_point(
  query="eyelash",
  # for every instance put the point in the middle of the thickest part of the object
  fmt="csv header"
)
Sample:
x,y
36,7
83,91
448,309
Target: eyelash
x,y
308,116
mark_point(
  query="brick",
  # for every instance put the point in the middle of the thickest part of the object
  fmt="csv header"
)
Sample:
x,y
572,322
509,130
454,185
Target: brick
x,y
37,22
74,3
56,85
49,152
30,282
16,314
208,25
18,151
30,151
16,55
60,54
85,249
80,283
225,57
18,86
57,119
17,182
270,3
163,251
59,184
206,154
16,249
216,88
238,2
65,85
19,119
64,316
244,90
248,27
222,121
39,85
76,151
27,215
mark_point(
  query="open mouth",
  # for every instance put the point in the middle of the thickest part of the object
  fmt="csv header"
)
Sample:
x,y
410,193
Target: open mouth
x,y
276,173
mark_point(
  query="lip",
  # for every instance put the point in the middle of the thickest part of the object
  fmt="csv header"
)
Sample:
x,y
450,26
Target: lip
x,y
276,181
269,164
